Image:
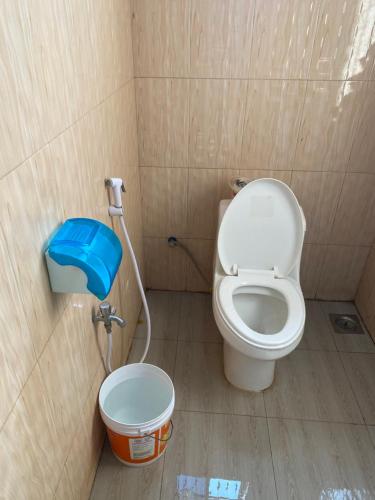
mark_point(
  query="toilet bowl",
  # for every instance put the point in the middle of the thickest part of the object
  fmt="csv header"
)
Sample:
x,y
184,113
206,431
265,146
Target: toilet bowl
x,y
257,299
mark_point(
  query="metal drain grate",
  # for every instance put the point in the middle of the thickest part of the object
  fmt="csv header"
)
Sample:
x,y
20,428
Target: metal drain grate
x,y
346,323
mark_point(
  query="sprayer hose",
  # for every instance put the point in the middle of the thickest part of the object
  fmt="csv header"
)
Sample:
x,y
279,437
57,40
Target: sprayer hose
x,y
140,287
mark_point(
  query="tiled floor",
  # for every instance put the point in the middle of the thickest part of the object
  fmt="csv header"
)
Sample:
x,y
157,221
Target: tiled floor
x,y
310,436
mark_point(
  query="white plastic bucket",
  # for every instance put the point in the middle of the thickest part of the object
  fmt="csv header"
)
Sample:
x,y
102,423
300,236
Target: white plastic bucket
x,y
136,404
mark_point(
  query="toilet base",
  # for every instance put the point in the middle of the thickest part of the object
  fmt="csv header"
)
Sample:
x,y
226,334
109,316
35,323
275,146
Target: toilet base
x,y
247,373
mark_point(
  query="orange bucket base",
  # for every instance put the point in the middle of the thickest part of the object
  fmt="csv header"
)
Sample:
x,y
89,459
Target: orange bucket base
x,y
139,450
132,464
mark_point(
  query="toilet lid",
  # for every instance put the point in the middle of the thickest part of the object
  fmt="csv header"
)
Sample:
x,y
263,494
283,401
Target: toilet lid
x,y
262,228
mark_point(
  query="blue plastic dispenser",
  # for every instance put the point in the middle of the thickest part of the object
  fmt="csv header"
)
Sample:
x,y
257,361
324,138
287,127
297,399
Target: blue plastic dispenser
x,y
83,256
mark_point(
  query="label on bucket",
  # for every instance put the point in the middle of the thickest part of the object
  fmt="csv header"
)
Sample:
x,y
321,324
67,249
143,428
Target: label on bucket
x,y
142,447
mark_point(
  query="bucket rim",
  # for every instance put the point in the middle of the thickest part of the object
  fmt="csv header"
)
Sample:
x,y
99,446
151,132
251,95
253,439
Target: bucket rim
x,y
139,427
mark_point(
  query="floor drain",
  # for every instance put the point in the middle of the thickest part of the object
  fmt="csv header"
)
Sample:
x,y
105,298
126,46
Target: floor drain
x,y
346,323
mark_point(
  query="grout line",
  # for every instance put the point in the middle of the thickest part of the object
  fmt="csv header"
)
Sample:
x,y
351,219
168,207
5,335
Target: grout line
x,y
207,167
244,123
317,21
370,436
71,125
220,342
162,473
298,136
294,419
189,91
328,323
255,10
260,79
202,238
272,460
37,358
351,387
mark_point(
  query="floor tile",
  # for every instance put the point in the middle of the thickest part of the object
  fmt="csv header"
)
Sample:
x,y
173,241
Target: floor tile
x,y
322,460
201,386
197,320
115,481
161,353
348,342
360,369
211,456
312,385
371,429
317,334
165,313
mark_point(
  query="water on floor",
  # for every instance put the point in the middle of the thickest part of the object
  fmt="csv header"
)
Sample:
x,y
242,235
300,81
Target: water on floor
x,y
309,436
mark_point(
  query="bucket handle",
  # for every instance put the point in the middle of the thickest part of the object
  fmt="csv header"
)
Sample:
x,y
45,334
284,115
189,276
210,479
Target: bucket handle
x,y
163,440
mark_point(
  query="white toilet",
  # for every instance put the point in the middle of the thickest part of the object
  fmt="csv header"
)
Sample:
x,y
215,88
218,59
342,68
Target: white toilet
x,y
257,299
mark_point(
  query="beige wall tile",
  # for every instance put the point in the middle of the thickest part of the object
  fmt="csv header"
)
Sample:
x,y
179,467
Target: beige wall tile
x,y
206,188
311,268
343,40
164,200
355,216
30,199
281,175
64,490
110,28
94,426
341,272
87,444
99,33
318,194
20,128
72,151
217,109
329,122
203,254
119,136
52,77
163,109
63,379
78,463
31,446
362,156
165,266
221,34
51,51
129,139
273,116
362,61
283,38
89,341
17,356
365,298
62,64
161,37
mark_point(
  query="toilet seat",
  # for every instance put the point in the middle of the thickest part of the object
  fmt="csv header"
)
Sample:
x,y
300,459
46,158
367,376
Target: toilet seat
x,y
290,292
262,229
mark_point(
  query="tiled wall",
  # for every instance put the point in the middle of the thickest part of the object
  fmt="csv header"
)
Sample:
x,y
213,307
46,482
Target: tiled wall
x,y
365,298
256,88
68,119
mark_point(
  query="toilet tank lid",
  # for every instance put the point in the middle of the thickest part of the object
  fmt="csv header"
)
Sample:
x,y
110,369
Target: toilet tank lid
x,y
262,228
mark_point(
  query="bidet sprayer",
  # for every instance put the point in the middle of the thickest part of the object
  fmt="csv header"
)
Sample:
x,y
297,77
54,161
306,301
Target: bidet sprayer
x,y
117,186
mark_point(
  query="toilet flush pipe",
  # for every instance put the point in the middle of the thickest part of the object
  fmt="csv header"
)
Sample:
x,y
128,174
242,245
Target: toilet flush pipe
x,y
115,210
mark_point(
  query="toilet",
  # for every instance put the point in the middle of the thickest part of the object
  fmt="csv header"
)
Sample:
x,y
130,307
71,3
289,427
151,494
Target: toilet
x,y
257,298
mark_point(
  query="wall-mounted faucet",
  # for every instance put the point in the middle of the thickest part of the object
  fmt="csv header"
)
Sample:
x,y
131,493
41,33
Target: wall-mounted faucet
x,y
107,314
